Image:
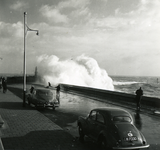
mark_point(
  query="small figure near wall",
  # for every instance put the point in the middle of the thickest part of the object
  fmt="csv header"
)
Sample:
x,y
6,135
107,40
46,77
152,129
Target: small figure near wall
x,y
139,94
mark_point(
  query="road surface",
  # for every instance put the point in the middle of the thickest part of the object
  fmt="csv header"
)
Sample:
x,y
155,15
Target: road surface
x,y
73,106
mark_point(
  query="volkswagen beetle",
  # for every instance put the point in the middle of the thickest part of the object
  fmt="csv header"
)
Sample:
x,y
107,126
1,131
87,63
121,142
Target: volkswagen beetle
x,y
112,128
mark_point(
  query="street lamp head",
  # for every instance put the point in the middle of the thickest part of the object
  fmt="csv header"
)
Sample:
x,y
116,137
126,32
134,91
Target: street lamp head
x,y
37,33
25,13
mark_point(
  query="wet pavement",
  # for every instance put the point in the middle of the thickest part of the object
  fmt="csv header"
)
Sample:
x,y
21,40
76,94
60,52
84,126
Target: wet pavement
x,y
148,124
27,128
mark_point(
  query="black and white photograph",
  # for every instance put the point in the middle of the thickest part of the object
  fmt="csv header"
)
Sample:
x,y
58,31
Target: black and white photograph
x,y
79,74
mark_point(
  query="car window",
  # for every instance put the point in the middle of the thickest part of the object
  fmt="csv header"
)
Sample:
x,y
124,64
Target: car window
x,y
93,115
122,119
45,93
34,92
100,118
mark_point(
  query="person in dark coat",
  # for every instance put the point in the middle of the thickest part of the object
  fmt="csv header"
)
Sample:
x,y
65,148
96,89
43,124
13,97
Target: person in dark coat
x,y
0,82
58,93
49,85
32,89
139,94
58,90
4,85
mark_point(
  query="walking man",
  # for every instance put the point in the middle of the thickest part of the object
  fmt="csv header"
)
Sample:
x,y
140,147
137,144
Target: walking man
x,y
139,94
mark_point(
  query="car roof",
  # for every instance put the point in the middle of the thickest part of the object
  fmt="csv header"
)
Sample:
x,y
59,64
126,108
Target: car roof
x,y
42,89
113,111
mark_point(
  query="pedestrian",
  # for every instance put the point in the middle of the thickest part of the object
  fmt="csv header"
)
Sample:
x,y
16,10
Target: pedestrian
x,y
58,93
4,85
49,84
139,94
31,89
0,83
58,89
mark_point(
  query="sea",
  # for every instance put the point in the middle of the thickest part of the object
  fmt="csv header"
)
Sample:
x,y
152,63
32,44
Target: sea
x,y
129,84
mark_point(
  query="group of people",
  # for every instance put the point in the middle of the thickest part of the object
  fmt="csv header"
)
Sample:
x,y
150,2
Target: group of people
x,y
3,84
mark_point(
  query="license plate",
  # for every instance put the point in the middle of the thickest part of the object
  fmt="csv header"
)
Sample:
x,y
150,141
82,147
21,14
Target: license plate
x,y
133,138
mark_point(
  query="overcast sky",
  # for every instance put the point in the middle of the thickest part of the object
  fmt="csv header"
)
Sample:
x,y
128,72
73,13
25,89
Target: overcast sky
x,y
122,35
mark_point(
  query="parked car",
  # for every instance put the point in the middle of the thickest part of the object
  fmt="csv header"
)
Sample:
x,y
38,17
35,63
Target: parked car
x,y
112,128
42,97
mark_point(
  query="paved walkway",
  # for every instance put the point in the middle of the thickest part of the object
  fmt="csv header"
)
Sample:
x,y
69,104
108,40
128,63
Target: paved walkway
x,y
28,129
25,128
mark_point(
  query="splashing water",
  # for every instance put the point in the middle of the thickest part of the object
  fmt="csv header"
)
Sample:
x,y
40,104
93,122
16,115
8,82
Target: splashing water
x,y
82,71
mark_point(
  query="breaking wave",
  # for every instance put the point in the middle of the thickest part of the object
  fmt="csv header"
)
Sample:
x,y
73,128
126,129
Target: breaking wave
x,y
82,71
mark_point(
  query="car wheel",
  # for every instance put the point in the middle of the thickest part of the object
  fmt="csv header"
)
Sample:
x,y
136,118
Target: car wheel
x,y
36,106
29,102
103,143
81,134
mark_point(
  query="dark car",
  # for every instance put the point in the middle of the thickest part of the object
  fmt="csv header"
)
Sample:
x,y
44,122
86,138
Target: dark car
x,y
112,128
42,98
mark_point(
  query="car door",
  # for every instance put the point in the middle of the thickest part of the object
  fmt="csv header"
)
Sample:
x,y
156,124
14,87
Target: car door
x,y
34,97
100,125
91,123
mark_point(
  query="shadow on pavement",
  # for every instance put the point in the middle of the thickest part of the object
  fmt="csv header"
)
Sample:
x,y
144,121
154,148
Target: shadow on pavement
x,y
138,120
14,106
17,91
37,140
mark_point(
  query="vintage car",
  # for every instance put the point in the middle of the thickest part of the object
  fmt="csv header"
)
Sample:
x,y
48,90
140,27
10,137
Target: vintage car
x,y
111,128
43,97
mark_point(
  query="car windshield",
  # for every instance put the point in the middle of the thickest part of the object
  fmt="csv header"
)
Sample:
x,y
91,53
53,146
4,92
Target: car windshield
x,y
122,119
44,93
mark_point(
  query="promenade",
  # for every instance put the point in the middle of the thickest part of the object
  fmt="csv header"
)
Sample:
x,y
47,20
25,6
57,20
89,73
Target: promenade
x,y
27,129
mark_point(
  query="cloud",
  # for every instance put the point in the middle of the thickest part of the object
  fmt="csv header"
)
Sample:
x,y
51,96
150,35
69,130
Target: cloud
x,y
144,16
11,30
81,12
73,4
53,14
19,5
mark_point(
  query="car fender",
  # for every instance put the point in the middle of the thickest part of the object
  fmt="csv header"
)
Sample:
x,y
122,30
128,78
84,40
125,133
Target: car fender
x,y
143,138
28,97
83,123
101,134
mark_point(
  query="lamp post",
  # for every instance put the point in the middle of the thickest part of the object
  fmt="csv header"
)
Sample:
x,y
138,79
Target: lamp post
x,y
26,29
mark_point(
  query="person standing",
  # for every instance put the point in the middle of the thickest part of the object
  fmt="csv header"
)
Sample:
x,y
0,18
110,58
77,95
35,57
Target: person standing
x,y
4,85
0,83
139,94
58,93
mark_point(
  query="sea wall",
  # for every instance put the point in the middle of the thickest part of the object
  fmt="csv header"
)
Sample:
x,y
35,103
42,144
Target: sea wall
x,y
20,79
104,95
113,96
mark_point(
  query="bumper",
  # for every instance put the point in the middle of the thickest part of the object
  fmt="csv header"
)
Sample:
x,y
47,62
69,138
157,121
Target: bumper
x,y
56,105
51,105
130,148
43,105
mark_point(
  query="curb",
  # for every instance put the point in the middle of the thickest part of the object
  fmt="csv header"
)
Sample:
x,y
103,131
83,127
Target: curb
x,y
1,145
1,121
1,124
